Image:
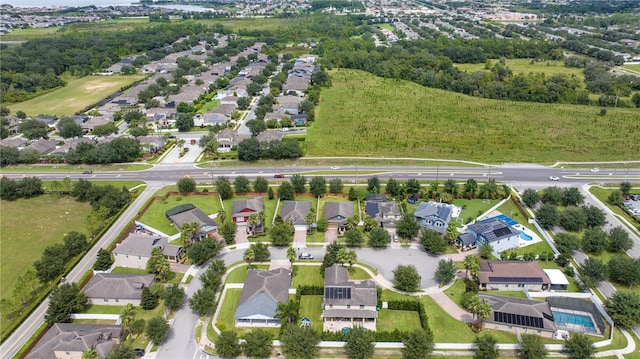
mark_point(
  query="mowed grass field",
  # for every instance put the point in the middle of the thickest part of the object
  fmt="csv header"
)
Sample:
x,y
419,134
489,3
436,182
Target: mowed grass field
x,y
365,115
27,226
525,66
75,96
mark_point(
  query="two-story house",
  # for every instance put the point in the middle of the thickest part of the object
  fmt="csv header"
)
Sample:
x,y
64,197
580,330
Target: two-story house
x,y
243,208
70,340
434,216
135,250
496,233
348,303
387,213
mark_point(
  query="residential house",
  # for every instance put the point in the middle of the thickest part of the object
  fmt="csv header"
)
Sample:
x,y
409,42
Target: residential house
x,y
43,146
517,315
288,104
298,120
296,213
117,288
135,250
496,233
466,241
48,120
70,340
18,142
151,142
188,213
228,139
229,100
513,275
226,110
348,303
387,213
69,144
261,293
337,213
268,136
434,216
243,208
94,122
210,119
557,279
295,86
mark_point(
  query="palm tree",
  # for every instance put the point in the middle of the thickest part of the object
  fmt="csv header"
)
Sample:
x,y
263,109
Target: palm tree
x,y
127,318
473,305
249,256
484,312
188,232
451,187
262,217
310,218
222,215
342,256
370,223
253,223
90,354
489,189
470,188
288,312
180,143
352,222
291,255
351,258
472,264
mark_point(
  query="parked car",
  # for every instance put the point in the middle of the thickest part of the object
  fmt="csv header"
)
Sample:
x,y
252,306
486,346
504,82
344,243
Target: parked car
x,y
278,176
335,167
305,256
554,178
87,172
139,352
595,169
395,237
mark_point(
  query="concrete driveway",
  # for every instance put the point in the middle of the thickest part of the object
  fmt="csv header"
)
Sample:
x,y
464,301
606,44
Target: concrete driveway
x,y
241,235
299,239
331,235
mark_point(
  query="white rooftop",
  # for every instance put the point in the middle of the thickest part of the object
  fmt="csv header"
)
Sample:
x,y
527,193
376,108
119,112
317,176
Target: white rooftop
x,y
556,276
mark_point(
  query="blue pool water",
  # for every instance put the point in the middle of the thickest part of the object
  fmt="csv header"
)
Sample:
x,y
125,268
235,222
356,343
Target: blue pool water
x,y
562,319
503,217
525,236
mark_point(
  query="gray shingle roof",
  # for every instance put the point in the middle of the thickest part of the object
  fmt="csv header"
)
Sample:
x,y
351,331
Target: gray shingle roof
x,y
117,285
255,204
262,292
361,292
493,230
194,215
497,272
432,209
76,338
518,306
295,211
350,313
338,212
140,244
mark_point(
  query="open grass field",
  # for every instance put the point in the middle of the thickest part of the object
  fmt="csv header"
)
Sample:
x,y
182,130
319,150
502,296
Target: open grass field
x,y
28,34
256,23
386,27
75,96
155,215
632,67
525,66
365,115
27,226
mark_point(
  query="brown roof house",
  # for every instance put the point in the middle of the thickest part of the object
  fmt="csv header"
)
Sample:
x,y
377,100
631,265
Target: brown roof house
x,y
348,303
519,315
69,340
337,213
513,275
187,213
296,213
261,293
117,288
135,250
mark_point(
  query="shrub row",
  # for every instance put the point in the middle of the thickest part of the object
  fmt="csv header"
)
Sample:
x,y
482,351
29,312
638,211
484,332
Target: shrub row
x,y
412,305
380,336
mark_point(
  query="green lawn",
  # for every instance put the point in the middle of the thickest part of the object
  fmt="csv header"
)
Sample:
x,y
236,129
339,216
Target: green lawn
x,y
228,308
359,274
124,270
403,320
632,67
208,106
526,66
22,240
75,96
307,275
386,27
602,194
112,167
155,215
472,208
364,115
311,307
239,274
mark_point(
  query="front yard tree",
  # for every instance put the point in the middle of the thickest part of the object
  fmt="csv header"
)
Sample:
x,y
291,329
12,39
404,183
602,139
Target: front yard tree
x,y
547,215
241,184
286,191
203,301
299,183
228,232
261,185
335,186
291,255
373,184
158,264
260,251
128,317
121,351
157,328
433,242
487,348
318,186
379,238
223,187
580,346
485,251
201,252
446,271
594,240
64,300
227,345
258,344
418,344
300,342
472,265
282,234
407,278
532,347
249,256
530,197
407,227
186,184
593,272
173,296
359,343
619,240
149,299
624,308
354,238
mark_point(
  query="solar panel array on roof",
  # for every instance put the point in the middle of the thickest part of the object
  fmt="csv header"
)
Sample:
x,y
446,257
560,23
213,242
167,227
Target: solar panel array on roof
x,y
500,232
515,280
518,319
337,293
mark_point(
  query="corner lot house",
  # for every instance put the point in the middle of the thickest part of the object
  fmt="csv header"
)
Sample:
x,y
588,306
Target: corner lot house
x,y
348,303
135,250
336,213
68,340
497,233
296,213
434,216
188,213
386,213
243,208
117,288
262,292
521,315
510,275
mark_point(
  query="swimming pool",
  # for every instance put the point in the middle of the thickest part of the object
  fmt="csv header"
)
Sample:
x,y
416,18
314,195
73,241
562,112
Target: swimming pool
x,y
525,236
573,320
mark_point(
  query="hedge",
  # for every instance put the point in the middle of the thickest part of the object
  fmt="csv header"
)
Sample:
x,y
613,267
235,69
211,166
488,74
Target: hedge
x,y
412,305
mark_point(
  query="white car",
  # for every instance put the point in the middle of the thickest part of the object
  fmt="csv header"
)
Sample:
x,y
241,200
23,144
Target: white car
x,y
554,178
305,256
335,167
595,169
